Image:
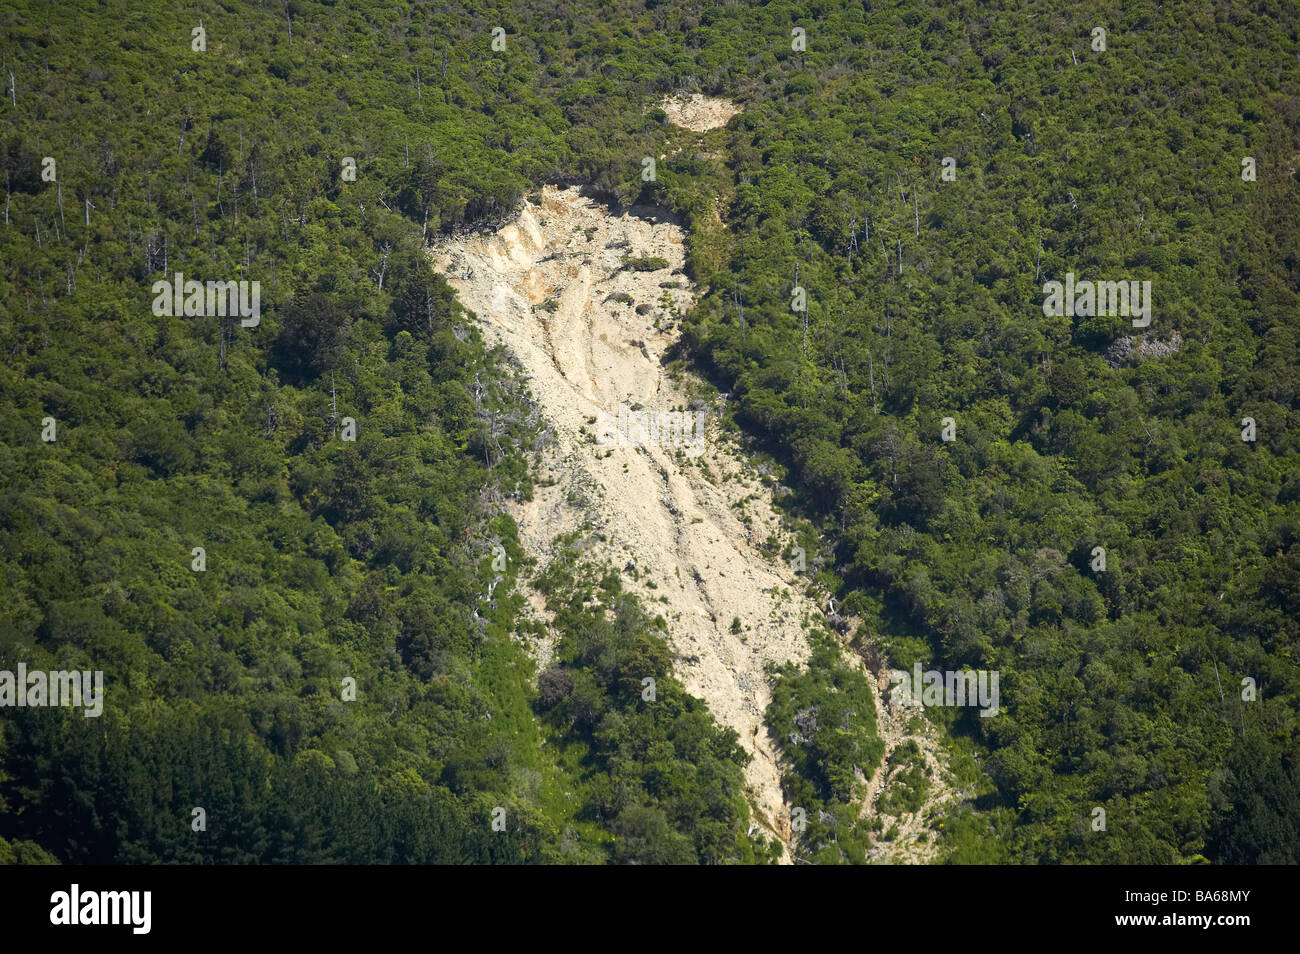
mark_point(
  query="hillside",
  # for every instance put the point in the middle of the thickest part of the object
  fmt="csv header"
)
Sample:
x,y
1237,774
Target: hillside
x,y
369,574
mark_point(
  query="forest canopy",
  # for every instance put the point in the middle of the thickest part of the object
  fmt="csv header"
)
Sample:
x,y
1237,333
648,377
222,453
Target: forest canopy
x,y
925,167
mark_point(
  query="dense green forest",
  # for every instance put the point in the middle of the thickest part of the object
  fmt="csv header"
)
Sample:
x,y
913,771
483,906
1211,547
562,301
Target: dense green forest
x,y
219,141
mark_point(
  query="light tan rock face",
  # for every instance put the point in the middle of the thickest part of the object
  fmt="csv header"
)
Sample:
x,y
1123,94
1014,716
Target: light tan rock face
x,y
552,288
690,525
698,113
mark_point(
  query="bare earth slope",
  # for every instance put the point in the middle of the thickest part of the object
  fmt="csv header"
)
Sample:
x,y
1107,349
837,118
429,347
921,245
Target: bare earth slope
x,y
698,113
690,526
553,287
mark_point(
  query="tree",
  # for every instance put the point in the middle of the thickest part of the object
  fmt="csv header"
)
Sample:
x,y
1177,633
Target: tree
x,y
313,333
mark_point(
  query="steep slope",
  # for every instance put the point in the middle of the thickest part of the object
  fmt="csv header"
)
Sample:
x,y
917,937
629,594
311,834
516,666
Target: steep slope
x,y
687,521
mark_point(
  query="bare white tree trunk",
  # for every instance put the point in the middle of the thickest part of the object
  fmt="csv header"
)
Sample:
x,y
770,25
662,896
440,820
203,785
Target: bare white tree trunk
x,y
334,406
871,375
383,264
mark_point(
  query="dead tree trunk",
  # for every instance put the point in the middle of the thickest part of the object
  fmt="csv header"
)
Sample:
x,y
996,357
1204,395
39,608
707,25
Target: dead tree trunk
x,y
871,376
334,407
383,264
740,311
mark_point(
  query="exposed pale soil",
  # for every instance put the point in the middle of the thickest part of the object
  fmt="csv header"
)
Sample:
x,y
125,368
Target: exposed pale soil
x,y
697,112
892,723
544,286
